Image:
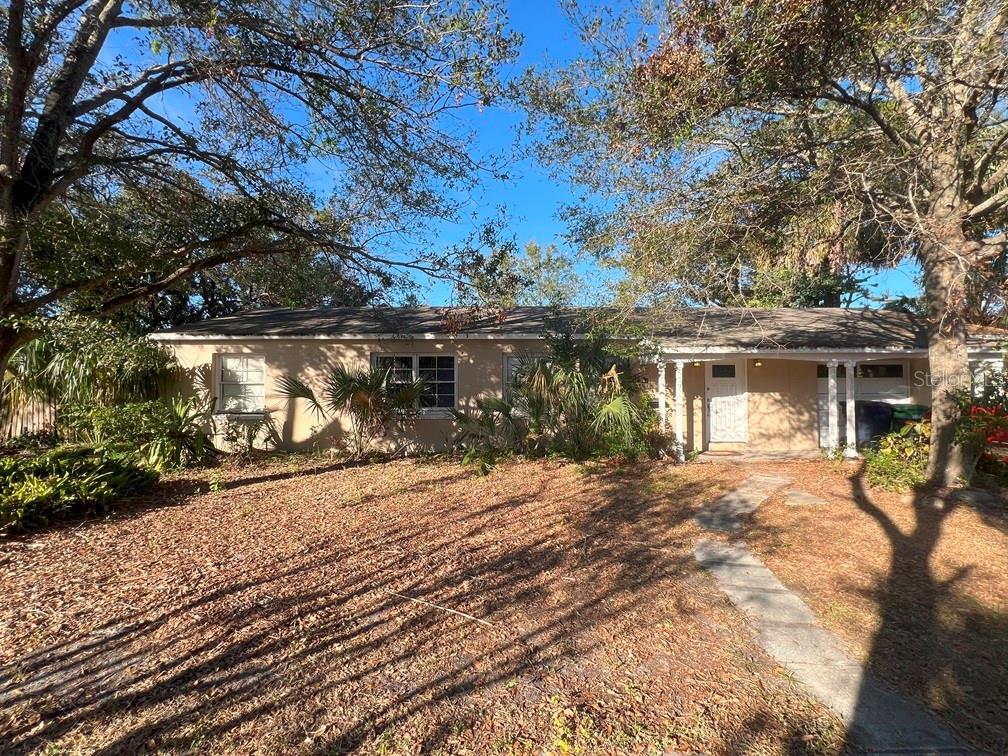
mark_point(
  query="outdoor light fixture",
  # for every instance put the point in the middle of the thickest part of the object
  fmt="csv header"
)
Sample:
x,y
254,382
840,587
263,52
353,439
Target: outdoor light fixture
x,y
696,364
758,363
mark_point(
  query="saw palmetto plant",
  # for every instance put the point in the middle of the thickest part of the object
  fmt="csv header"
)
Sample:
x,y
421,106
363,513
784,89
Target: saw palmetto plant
x,y
368,397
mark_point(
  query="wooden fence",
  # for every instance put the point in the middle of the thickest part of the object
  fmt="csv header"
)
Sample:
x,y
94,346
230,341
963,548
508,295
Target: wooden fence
x,y
30,418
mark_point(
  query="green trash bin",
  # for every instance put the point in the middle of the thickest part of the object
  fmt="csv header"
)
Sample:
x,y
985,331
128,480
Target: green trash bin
x,y
904,414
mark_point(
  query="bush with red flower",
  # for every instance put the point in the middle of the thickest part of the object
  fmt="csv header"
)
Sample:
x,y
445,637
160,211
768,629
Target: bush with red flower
x,y
983,429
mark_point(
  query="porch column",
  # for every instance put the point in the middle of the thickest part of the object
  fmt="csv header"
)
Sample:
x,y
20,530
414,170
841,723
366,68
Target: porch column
x,y
851,447
680,409
833,437
660,362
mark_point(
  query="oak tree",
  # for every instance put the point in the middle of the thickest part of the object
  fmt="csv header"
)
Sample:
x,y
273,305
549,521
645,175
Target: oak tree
x,y
729,135
229,110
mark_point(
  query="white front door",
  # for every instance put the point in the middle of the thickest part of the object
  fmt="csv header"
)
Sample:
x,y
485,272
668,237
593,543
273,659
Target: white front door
x,y
727,402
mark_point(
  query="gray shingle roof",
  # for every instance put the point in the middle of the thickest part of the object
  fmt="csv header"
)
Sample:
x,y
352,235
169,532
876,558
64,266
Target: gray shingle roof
x,y
812,328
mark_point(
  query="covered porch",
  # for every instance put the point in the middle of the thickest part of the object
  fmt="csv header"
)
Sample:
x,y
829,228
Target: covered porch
x,y
779,401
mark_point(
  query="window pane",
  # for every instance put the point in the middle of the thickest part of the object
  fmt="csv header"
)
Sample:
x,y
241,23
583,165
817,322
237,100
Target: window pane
x,y
242,383
446,362
823,372
880,371
399,367
722,371
428,363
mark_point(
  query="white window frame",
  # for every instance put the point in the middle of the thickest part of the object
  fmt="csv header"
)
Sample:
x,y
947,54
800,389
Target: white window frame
x,y
427,412
980,369
507,372
867,388
219,382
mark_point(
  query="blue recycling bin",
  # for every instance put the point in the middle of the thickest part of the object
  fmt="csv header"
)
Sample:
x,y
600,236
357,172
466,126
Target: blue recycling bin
x,y
872,421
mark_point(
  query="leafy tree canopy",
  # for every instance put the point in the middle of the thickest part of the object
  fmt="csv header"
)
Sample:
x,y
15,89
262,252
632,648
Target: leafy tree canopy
x,y
535,277
730,141
218,114
100,257
730,137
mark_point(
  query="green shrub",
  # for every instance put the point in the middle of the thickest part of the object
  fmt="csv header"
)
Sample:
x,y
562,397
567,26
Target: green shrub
x,y
899,459
166,435
245,437
65,482
487,433
579,400
36,441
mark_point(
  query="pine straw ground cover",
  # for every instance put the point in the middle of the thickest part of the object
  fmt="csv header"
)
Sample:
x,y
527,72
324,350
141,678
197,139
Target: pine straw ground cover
x,y
396,608
918,591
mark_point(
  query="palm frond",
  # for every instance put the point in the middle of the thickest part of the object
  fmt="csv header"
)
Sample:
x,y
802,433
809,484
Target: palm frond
x,y
291,388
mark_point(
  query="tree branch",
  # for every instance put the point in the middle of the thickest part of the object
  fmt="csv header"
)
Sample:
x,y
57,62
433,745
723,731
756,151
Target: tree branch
x,y
871,110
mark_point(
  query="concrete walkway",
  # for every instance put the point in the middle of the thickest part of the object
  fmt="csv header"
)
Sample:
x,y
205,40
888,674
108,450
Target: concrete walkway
x,y
726,514
878,719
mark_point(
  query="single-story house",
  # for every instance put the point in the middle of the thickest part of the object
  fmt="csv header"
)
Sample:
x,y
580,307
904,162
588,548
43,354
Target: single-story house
x,y
728,379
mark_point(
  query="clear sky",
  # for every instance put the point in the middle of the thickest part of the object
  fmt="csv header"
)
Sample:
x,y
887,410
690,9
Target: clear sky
x,y
532,198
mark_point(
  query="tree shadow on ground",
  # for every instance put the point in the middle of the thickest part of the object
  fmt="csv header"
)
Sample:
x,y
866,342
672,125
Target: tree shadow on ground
x,y
447,613
934,641
178,489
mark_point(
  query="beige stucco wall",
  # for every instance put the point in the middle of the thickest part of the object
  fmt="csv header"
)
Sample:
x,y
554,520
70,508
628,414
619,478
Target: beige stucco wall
x,y
479,366
920,391
782,405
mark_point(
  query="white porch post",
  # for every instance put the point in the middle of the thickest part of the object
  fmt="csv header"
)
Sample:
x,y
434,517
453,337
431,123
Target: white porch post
x,y
680,407
833,436
851,447
660,362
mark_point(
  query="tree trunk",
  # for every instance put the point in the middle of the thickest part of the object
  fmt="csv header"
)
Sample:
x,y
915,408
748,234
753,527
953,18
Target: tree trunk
x,y
10,340
948,360
13,240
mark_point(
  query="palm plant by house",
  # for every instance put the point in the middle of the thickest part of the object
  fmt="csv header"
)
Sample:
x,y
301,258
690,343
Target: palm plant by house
x,y
577,399
582,397
488,431
368,397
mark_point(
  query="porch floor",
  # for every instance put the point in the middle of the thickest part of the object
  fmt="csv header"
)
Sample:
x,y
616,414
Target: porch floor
x,y
758,456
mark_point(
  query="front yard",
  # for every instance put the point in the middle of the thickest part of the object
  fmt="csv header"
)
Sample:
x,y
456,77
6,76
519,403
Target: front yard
x,y
916,589
400,607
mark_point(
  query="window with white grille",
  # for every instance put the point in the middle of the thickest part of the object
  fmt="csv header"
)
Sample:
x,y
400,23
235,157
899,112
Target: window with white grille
x,y
242,384
437,372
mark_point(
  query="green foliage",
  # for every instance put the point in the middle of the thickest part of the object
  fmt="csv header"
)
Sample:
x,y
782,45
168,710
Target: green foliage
x,y
582,398
245,437
367,397
488,432
540,277
65,482
36,441
899,459
119,204
165,434
725,142
86,237
82,361
579,400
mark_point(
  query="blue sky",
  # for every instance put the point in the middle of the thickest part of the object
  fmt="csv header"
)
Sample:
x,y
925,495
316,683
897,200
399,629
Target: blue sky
x,y
532,197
